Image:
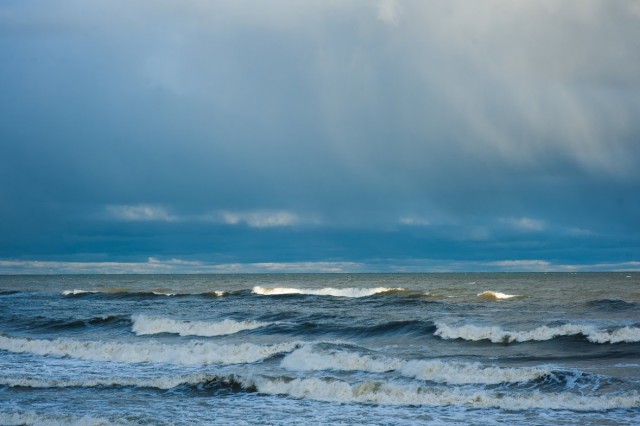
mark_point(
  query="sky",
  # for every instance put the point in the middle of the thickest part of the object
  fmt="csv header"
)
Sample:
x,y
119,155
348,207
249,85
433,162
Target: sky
x,y
319,136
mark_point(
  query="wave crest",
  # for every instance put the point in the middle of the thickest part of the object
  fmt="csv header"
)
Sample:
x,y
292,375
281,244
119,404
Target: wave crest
x,y
191,353
385,393
496,295
161,382
327,291
307,358
144,325
496,334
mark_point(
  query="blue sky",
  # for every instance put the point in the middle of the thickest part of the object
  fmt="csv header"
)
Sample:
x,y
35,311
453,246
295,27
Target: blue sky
x,y
241,136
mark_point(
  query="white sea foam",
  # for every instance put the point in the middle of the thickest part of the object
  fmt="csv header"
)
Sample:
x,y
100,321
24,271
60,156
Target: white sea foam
x,y
191,353
76,292
33,418
307,358
386,393
496,295
498,335
368,392
144,325
163,293
327,291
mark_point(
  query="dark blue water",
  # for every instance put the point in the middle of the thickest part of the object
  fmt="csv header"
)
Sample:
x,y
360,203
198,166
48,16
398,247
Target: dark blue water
x,y
328,349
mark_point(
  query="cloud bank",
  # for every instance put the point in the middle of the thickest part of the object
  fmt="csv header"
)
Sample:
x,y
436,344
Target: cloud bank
x,y
289,131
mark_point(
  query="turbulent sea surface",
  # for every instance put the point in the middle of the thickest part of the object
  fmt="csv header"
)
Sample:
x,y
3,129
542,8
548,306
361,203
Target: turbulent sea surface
x,y
527,349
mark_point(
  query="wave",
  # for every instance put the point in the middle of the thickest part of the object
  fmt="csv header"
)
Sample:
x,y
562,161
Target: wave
x,y
78,292
70,324
41,324
161,382
389,393
308,358
496,295
327,291
125,293
191,353
366,392
216,293
496,334
120,292
144,325
610,304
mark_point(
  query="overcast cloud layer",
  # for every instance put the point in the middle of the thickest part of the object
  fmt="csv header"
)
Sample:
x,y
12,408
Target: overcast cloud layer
x,y
226,136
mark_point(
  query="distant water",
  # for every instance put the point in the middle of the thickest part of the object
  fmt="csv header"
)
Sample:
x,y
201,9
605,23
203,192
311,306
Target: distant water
x,y
527,349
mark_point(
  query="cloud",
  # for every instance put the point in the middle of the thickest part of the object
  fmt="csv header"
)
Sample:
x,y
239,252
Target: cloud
x,y
389,11
227,119
261,219
140,213
252,219
414,221
525,224
178,266
522,265
172,266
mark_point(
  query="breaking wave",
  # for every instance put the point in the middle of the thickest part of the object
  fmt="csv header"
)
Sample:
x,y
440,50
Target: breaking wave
x,y
327,291
496,295
366,392
125,293
162,382
144,325
77,292
307,358
388,393
191,353
496,334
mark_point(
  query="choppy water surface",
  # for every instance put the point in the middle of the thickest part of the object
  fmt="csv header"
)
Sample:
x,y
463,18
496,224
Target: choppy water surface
x,y
531,349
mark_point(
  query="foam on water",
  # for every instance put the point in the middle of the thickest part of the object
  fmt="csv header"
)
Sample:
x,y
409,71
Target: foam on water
x,y
308,358
366,392
496,334
76,292
33,418
389,393
190,353
496,295
145,325
327,291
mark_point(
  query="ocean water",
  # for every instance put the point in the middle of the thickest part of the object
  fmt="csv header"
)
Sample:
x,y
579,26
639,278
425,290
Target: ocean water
x,y
527,349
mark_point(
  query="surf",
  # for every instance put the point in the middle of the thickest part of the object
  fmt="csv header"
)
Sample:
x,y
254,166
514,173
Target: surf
x,y
189,353
146,325
495,334
326,291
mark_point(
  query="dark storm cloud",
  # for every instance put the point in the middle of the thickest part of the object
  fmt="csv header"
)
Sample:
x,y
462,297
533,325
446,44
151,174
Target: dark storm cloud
x,y
397,130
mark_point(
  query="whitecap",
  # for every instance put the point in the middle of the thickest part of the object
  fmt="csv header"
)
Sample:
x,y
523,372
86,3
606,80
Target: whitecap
x,y
190,353
388,393
145,325
496,334
163,293
76,292
327,291
308,358
496,295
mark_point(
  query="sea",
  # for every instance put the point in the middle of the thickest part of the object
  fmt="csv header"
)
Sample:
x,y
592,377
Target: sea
x,y
334,349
